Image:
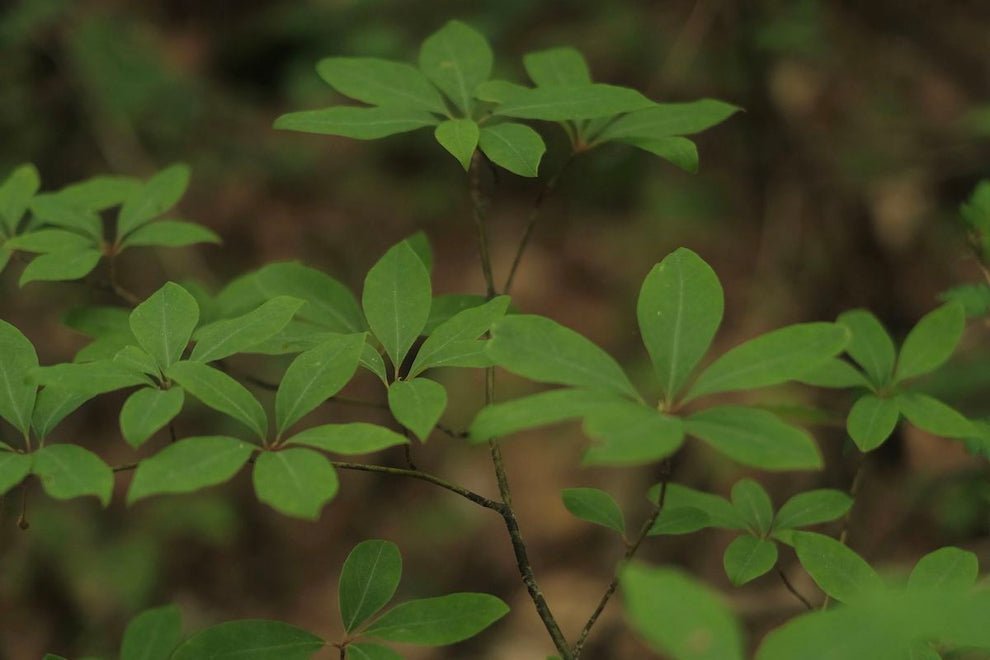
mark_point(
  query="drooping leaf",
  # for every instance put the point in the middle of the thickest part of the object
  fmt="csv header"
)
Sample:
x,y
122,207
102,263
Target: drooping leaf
x,y
16,192
945,569
164,322
445,343
456,58
396,300
381,82
536,410
931,342
296,482
571,102
557,66
670,119
812,507
417,404
678,151
930,414
871,421
17,393
515,147
170,233
315,376
679,310
870,345
159,194
219,391
224,338
755,437
152,635
60,266
13,468
459,137
356,123
251,639
348,439
747,558
368,581
148,410
753,505
631,434
69,471
595,506
438,621
189,465
837,570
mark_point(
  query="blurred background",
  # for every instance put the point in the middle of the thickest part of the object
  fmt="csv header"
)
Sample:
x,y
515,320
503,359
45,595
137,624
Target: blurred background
x,y
866,125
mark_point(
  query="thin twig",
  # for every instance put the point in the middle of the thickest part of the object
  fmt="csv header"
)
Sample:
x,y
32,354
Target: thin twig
x,y
794,592
22,520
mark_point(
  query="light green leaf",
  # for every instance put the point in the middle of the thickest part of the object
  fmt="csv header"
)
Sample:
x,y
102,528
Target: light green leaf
x,y
369,651
871,421
679,616
931,342
515,147
447,341
569,102
812,507
870,345
669,119
219,391
17,392
54,405
381,82
152,635
679,310
61,266
681,506
69,471
90,378
224,338
631,434
417,404
315,376
545,351
834,373
945,569
459,137
776,357
16,192
541,409
296,482
747,558
158,194
557,66
755,437
189,465
679,151
13,468
49,240
930,414
498,91
753,505
595,506
457,59
368,581
148,410
164,322
170,233
837,570
396,300
348,439
137,360
371,359
251,639
356,123
438,621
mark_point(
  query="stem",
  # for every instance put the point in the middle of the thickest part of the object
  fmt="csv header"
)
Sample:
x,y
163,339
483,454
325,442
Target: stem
x,y
22,520
854,487
795,592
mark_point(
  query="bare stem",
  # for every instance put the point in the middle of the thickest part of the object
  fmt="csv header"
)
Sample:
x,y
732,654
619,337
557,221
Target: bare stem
x,y
794,592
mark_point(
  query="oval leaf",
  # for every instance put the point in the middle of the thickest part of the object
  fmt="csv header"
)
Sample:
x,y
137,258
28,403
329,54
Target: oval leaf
x,y
457,59
595,506
837,570
396,300
163,323
439,621
251,639
870,345
812,507
417,404
931,342
224,338
515,147
189,465
152,635
747,558
871,421
17,392
756,438
69,471
148,410
296,482
219,391
348,439
368,581
459,137
381,82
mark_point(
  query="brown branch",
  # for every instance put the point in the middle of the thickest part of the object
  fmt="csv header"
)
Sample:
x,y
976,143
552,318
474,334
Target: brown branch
x,y
794,592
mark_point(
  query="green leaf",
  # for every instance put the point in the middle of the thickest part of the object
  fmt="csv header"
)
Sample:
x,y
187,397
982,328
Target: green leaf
x,y
447,341
438,621
756,438
568,102
595,506
870,345
498,91
457,59
541,409
348,439
776,357
682,506
837,570
148,410
420,244
189,465
368,581
49,240
679,151
812,507
17,393
975,298
16,192
631,434
931,341
669,119
315,376
460,138
545,351
356,123
90,378
747,558
753,505
138,361
396,300
871,421
557,66
251,639
417,404
296,482
381,82
679,310
159,194
445,307
679,616
224,338
152,635
930,414
945,569
834,373
368,651
60,266
69,471
53,209
219,391
164,322
13,469
515,147
371,359
99,192
170,233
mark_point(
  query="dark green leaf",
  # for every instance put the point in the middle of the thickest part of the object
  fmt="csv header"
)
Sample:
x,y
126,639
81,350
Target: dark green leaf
x,y
296,482
811,508
16,192
595,506
557,66
447,341
60,266
396,300
834,373
170,233
368,581
753,505
670,119
417,404
457,59
870,345
148,410
189,465
747,558
515,147
69,471
53,209
679,151
356,123
224,338
837,570
90,378
220,392
439,621
163,323
250,640
152,635
381,82
99,192
630,434
571,102
459,137
54,405
17,393
348,439
541,409
138,361
756,438
931,341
